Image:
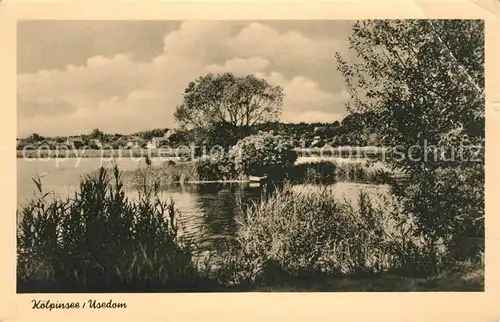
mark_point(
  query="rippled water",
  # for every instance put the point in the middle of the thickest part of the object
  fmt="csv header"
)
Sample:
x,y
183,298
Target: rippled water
x,y
207,211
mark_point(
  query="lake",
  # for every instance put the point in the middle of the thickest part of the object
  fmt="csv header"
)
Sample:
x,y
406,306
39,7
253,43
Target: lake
x,y
207,211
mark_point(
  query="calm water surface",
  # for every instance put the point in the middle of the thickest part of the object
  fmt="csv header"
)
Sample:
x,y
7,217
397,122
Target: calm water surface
x,y
207,211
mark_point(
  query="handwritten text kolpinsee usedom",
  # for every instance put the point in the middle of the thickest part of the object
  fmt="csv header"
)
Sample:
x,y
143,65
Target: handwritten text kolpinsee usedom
x,y
91,304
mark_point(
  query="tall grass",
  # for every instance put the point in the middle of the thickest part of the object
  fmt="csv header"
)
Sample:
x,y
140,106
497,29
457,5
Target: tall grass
x,y
297,236
326,172
99,240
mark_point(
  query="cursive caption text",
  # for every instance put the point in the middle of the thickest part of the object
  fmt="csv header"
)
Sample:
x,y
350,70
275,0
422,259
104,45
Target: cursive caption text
x,y
90,304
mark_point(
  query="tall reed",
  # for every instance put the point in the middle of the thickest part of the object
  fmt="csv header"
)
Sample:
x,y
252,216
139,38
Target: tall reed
x,y
293,236
100,241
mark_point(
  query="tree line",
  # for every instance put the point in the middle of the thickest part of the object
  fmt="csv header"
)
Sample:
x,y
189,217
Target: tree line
x,y
353,130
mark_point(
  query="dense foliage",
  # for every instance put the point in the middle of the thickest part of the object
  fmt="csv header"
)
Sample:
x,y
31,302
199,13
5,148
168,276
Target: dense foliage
x,y
424,82
257,154
217,167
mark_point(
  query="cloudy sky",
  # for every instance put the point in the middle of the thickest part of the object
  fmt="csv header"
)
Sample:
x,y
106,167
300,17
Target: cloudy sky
x,y
74,76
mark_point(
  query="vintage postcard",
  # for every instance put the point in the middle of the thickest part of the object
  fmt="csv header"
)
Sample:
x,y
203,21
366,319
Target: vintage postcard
x,y
280,160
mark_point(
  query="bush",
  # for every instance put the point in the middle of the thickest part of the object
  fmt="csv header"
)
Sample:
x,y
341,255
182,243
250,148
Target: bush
x,y
216,167
448,206
99,241
256,154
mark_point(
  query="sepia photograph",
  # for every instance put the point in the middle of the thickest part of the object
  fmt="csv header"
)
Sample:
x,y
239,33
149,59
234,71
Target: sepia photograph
x,y
167,156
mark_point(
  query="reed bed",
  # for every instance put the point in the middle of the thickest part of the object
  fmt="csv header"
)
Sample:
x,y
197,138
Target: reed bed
x,y
99,241
293,237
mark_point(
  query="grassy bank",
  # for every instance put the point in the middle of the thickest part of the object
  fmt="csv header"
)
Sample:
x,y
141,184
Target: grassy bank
x,y
100,241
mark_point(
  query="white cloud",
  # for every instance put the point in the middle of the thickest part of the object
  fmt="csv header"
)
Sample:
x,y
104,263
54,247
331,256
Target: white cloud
x,y
258,39
121,94
303,94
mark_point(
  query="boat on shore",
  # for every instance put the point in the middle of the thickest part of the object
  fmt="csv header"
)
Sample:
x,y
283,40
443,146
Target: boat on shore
x,y
256,178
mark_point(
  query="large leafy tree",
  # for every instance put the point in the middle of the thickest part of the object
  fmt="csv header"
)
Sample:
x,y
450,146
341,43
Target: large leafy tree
x,y
228,99
424,82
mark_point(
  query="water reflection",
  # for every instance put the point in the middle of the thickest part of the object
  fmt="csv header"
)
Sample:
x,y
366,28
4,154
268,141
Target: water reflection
x,y
219,204
214,210
208,212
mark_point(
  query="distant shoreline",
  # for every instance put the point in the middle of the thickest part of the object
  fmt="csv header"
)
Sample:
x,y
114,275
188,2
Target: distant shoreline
x,y
170,153
63,154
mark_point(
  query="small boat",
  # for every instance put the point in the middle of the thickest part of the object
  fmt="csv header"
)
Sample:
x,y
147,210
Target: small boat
x,y
185,158
256,179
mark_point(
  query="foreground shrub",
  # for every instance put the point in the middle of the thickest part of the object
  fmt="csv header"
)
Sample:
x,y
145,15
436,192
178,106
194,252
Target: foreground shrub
x,y
300,235
448,207
101,241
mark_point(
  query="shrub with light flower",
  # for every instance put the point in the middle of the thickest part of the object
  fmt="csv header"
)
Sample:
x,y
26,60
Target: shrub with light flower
x,y
256,154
